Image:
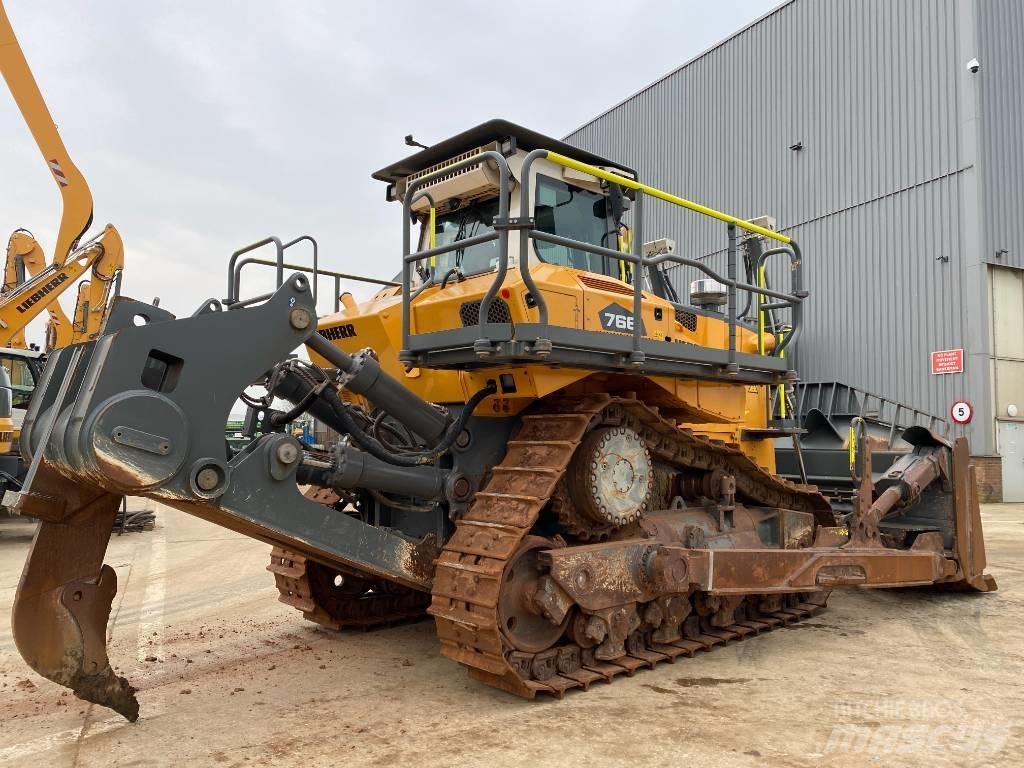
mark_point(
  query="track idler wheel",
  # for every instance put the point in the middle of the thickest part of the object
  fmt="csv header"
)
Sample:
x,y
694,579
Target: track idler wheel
x,y
520,612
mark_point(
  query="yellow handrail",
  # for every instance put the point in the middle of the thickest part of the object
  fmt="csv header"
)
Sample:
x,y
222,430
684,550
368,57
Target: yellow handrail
x,y
432,237
622,181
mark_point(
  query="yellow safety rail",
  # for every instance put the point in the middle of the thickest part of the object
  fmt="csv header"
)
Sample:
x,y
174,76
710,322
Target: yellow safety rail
x,y
625,246
622,181
432,237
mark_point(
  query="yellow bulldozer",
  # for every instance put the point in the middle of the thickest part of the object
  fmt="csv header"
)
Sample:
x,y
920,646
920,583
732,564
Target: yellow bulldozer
x,y
543,446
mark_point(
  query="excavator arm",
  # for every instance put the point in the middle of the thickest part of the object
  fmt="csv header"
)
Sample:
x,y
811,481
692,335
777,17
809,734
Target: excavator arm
x,y
19,307
25,259
94,295
76,215
22,298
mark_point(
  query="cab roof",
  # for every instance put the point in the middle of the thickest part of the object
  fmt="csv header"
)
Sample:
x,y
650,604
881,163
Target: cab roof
x,y
492,130
33,353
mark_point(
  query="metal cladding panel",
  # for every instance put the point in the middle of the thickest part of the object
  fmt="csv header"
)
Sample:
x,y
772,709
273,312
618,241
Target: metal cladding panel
x,y
1000,33
875,196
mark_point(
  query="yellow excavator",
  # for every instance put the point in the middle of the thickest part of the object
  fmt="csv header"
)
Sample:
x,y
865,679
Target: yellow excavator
x,y
31,284
26,260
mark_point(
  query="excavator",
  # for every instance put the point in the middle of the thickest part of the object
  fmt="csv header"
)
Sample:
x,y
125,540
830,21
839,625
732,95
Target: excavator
x,y
544,447
26,261
30,284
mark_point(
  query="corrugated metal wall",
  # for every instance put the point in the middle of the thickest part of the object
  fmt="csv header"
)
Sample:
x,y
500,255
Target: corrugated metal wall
x,y
1000,34
871,88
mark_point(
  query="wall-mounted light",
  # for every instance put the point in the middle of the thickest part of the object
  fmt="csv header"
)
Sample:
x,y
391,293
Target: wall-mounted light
x,y
1001,252
797,147
942,257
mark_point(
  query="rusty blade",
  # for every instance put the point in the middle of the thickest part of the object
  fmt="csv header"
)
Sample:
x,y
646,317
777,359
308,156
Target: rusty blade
x,y
63,600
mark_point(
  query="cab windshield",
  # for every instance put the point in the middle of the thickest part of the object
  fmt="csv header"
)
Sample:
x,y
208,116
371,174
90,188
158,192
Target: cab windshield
x,y
23,380
578,214
471,221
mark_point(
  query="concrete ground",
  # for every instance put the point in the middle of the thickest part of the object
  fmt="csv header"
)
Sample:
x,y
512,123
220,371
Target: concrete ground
x,y
229,676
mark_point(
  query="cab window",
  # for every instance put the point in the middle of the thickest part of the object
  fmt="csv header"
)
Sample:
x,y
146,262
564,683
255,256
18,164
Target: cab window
x,y
470,221
579,214
23,381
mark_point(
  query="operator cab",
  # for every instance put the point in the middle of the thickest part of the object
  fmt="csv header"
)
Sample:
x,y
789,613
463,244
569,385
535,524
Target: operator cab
x,y
465,203
24,367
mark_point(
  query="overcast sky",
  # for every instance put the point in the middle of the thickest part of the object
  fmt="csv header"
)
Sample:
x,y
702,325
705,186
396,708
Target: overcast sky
x,y
203,126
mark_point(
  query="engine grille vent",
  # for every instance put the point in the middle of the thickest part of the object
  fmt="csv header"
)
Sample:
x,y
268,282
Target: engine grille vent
x,y
686,319
605,285
445,164
498,312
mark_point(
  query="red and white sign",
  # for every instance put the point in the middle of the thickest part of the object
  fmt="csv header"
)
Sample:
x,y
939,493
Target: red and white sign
x,y
962,411
948,361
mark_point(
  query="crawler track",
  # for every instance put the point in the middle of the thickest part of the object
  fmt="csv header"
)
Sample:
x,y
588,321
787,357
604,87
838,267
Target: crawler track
x,y
339,598
342,599
469,573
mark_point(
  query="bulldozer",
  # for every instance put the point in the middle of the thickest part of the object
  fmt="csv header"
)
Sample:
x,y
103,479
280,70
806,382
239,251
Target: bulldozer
x,y
543,448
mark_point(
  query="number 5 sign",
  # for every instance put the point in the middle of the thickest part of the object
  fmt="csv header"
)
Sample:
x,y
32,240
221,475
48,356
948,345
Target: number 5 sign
x,y
961,412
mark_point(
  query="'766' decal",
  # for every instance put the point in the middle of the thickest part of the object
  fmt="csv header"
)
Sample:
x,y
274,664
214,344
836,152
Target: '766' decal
x,y
616,318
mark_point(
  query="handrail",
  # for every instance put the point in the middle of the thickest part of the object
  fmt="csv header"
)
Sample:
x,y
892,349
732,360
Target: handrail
x,y
623,181
316,272
279,263
794,261
526,225
501,234
338,276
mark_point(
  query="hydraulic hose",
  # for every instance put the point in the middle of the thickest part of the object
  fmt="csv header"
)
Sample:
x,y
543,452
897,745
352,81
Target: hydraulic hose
x,y
453,272
375,449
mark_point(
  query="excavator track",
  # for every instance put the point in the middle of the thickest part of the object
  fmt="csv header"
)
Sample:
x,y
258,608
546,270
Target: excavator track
x,y
341,598
493,532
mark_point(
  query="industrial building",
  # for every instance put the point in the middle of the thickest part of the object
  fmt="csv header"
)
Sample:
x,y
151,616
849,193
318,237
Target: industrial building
x,y
885,137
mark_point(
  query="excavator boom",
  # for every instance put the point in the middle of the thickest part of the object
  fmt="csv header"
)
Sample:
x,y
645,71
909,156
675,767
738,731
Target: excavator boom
x,y
74,191
22,298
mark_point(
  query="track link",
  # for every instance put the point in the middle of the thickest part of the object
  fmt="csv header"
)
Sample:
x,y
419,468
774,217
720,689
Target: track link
x,y
468,577
341,598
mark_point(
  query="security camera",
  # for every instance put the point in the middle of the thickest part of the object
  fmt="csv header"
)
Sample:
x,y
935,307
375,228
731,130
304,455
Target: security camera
x,y
973,66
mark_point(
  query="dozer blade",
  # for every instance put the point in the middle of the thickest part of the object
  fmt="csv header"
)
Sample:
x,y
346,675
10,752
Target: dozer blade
x,y
970,541
63,601
931,493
